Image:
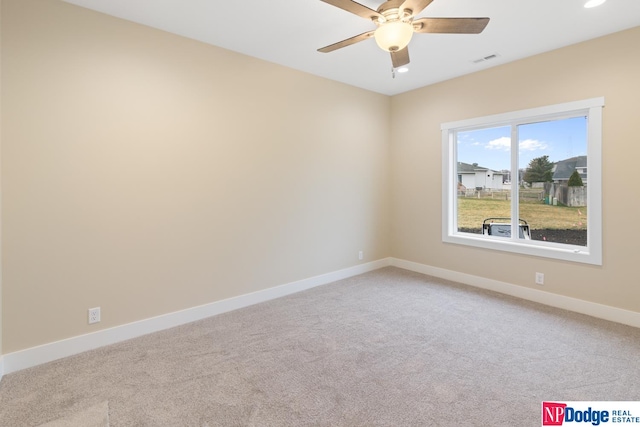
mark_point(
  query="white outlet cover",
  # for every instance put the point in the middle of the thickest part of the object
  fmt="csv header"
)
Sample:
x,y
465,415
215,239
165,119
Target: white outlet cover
x,y
94,315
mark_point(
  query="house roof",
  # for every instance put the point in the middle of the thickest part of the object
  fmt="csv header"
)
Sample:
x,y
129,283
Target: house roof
x,y
564,168
466,167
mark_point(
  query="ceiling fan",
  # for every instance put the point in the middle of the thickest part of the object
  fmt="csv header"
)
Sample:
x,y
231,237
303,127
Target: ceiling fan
x,y
396,24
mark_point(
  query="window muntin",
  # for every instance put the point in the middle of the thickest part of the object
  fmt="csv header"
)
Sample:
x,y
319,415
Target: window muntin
x,y
485,161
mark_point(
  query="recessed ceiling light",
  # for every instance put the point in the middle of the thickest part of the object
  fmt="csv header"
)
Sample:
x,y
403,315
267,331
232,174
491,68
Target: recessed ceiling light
x,y
402,70
594,3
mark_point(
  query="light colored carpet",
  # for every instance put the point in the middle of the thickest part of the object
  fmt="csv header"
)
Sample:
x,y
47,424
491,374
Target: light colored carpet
x,y
94,416
387,348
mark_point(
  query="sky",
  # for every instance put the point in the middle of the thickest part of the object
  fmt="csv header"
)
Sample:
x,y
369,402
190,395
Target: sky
x,y
490,148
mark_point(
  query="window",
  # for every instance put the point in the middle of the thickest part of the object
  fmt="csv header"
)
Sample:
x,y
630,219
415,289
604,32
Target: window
x,y
527,182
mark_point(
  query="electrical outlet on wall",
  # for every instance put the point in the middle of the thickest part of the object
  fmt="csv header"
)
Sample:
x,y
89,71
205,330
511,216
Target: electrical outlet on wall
x,y
94,315
360,255
539,278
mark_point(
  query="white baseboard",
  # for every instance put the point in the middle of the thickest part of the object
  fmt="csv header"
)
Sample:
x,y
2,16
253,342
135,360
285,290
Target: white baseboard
x,y
34,356
593,309
56,350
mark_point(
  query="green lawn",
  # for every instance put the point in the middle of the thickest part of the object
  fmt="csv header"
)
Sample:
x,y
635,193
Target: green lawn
x,y
472,211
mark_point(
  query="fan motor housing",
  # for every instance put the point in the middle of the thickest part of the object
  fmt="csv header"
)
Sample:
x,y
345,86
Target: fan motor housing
x,y
390,4
391,11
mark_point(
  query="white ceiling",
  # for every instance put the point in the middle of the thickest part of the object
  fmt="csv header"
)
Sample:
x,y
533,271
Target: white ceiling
x,y
289,32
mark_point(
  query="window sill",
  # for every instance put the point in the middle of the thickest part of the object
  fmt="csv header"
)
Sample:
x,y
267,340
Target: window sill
x,y
579,254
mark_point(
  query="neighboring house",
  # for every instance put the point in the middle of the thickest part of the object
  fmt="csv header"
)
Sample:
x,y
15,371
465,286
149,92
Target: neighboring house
x,y
563,169
478,177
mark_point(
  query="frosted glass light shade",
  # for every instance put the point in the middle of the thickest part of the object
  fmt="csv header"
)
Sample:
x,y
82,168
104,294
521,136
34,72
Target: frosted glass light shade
x,y
393,36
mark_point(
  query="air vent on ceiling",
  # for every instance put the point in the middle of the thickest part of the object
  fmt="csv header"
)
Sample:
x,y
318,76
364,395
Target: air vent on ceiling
x,y
486,58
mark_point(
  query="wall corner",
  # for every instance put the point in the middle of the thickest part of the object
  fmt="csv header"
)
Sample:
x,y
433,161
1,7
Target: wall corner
x,y
1,50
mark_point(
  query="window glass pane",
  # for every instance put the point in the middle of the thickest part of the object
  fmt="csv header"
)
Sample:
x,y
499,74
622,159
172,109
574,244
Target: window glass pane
x,y
483,174
552,160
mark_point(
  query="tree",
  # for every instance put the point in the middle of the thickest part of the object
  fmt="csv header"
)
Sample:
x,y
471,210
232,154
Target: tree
x,y
539,170
575,180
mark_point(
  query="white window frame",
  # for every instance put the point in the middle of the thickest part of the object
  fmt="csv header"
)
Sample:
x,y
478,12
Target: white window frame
x,y
592,253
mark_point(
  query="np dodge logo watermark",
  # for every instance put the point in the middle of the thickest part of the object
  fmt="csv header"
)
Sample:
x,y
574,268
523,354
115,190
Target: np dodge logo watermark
x,y
590,413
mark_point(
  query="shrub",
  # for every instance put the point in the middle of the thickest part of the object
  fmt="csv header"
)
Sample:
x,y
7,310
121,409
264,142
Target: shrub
x,y
575,180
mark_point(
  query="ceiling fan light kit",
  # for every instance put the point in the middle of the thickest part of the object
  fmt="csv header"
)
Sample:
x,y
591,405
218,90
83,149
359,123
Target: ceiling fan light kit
x,y
396,24
393,36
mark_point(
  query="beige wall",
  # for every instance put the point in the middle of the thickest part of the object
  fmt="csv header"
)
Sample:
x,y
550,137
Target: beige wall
x,y
607,67
147,173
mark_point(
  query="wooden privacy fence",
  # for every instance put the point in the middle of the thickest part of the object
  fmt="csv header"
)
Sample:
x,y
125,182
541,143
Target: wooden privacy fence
x,y
569,196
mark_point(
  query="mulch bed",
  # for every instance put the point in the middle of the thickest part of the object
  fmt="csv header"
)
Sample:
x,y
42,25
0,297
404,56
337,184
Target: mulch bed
x,y
571,237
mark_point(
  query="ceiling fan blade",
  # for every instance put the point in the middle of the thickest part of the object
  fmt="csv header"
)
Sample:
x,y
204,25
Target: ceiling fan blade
x,y
355,8
416,6
450,25
347,42
400,57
